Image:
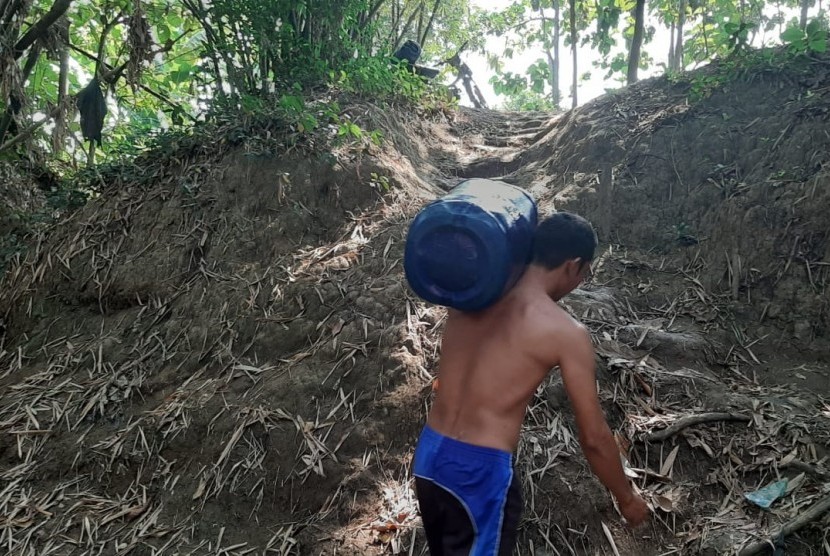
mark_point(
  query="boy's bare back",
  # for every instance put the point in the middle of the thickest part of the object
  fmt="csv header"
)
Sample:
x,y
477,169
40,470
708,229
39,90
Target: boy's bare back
x,y
493,361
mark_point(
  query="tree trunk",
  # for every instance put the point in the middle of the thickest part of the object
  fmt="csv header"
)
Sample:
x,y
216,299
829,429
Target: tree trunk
x,y
395,28
305,34
5,123
703,9
214,42
264,60
573,50
399,39
63,92
370,15
557,25
553,59
420,21
636,42
552,70
805,5
470,93
678,47
423,38
780,17
671,45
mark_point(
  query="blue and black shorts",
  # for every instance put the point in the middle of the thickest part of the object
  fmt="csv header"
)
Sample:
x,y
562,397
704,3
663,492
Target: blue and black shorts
x,y
469,497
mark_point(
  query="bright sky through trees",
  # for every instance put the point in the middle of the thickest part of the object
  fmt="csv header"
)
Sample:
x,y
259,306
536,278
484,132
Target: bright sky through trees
x,y
593,82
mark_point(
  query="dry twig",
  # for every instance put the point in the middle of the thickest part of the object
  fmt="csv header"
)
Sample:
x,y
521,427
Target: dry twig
x,y
811,514
691,420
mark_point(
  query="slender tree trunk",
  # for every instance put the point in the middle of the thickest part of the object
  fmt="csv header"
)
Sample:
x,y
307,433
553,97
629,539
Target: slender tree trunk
x,y
557,25
780,18
678,47
704,18
636,42
246,61
406,26
423,38
90,156
671,45
373,11
308,19
213,46
396,22
420,21
805,5
573,51
63,93
264,59
553,62
5,123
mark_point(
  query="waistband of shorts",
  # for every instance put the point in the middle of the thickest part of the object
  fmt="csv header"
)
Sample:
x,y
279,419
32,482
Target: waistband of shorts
x,y
446,444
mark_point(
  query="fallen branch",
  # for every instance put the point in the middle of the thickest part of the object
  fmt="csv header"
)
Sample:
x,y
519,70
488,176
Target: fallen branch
x,y
814,512
690,420
807,468
29,131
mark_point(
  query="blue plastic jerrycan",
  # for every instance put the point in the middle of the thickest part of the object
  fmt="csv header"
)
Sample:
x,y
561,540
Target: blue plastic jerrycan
x,y
468,248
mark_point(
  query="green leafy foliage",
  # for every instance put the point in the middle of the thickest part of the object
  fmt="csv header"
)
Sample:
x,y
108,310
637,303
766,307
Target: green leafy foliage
x,y
380,182
813,38
166,65
348,129
379,78
529,25
529,100
509,84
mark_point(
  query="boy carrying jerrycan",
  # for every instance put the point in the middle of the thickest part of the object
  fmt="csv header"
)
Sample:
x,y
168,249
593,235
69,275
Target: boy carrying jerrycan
x,y
480,251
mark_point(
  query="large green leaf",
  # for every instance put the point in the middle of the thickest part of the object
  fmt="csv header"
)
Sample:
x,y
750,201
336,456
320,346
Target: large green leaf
x,y
819,43
792,34
182,73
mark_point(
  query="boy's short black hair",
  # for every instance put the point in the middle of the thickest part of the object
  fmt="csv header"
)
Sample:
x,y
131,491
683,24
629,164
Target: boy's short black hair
x,y
563,236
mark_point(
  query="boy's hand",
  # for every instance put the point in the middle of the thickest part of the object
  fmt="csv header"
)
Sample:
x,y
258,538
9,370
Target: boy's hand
x,y
634,510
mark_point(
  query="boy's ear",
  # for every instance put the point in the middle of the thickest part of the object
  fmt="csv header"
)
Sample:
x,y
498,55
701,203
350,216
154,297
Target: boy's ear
x,y
574,266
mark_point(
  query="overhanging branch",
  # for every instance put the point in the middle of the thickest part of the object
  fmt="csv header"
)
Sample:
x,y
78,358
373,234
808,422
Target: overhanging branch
x,y
38,30
115,71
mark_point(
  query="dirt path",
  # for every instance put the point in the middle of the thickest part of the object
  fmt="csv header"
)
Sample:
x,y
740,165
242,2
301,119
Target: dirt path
x,y
669,349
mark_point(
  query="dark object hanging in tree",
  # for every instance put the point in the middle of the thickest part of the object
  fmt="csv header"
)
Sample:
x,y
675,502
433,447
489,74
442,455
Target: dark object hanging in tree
x,y
93,109
410,51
